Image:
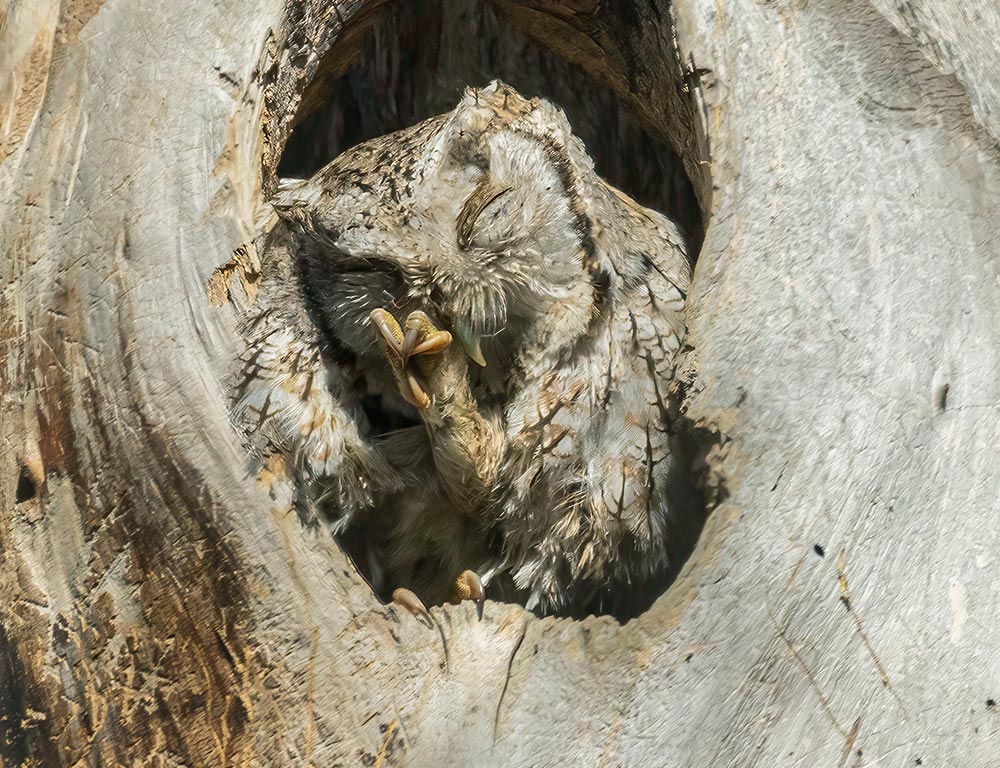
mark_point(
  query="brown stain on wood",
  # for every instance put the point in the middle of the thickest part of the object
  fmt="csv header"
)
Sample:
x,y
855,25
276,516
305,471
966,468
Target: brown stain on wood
x,y
847,602
852,736
23,87
181,677
23,90
73,17
183,681
241,272
384,750
155,655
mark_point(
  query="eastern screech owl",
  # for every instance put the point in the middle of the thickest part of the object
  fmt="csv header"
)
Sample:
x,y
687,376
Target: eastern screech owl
x,y
533,449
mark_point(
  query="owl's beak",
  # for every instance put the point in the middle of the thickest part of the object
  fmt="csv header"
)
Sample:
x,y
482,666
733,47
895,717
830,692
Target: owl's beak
x,y
472,343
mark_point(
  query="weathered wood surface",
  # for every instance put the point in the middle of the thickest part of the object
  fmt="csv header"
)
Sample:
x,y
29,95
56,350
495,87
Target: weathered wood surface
x,y
159,607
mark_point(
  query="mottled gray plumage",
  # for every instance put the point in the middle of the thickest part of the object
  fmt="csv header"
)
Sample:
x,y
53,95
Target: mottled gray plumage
x,y
546,470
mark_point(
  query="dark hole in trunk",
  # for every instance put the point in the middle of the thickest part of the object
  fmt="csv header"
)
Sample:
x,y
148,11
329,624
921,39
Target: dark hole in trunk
x,y
414,63
419,57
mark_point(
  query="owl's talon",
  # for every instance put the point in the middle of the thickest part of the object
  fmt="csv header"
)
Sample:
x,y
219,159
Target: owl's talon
x,y
468,586
387,327
413,391
406,598
422,338
410,339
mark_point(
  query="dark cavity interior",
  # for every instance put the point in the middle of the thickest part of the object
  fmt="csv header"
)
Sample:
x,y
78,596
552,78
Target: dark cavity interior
x,y
414,61
417,59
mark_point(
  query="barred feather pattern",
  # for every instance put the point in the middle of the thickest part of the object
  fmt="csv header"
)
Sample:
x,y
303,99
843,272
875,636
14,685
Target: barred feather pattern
x,y
287,399
586,503
547,470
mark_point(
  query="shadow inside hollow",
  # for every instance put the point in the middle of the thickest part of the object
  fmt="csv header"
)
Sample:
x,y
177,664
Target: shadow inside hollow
x,y
415,63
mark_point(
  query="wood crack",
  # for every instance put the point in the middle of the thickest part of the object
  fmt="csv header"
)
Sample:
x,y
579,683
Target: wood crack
x,y
506,682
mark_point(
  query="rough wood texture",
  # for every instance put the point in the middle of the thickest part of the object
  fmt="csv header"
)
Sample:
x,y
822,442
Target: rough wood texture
x,y
159,607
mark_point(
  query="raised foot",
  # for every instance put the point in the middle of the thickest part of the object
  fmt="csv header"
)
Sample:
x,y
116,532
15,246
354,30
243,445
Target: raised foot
x,y
413,351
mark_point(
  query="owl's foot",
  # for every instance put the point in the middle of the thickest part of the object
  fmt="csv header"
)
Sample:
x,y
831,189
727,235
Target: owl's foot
x,y
413,351
468,586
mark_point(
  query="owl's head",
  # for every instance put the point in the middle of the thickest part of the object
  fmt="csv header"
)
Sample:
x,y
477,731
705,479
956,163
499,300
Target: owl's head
x,y
490,218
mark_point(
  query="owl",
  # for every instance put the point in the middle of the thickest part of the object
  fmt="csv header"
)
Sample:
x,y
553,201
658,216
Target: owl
x,y
462,343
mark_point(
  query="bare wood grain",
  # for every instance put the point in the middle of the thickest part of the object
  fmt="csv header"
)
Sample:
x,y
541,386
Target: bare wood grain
x,y
159,606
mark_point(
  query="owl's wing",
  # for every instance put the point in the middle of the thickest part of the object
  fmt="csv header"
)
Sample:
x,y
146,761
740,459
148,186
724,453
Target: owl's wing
x,y
587,505
288,400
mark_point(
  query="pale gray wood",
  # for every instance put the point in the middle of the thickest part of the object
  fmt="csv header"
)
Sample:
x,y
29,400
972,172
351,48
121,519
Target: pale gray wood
x,y
158,605
959,37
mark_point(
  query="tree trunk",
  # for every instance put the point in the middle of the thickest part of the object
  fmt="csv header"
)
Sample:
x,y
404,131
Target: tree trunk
x,y
160,607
